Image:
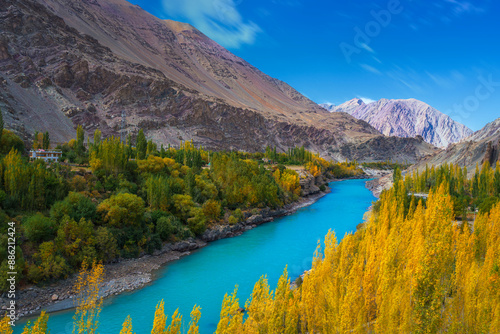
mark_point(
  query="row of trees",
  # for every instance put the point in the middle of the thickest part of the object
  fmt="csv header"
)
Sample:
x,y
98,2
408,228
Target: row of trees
x,y
481,191
293,156
29,186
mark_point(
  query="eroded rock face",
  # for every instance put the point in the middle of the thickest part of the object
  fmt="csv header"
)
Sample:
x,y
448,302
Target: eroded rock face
x,y
407,118
483,146
68,63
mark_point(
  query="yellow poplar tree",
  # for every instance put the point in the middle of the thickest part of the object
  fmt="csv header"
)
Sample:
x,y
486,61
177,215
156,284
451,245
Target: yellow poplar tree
x,y
231,318
127,326
39,327
195,317
5,327
160,320
88,283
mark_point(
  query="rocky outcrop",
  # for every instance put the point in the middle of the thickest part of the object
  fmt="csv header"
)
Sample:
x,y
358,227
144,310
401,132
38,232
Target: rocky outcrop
x,y
482,146
407,118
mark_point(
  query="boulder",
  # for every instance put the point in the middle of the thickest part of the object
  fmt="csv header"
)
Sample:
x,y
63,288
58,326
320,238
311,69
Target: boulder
x,y
255,219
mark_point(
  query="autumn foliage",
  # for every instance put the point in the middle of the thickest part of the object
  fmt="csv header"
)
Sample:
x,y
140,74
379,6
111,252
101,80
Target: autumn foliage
x,y
412,268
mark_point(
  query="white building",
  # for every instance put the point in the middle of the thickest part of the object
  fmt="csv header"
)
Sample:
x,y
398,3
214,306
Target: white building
x,y
46,155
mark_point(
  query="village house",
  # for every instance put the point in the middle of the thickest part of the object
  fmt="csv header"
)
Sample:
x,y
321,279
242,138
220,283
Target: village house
x,y
46,155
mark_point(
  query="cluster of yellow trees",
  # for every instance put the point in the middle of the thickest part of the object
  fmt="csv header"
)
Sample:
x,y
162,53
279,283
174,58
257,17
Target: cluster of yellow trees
x,y
317,166
410,269
407,271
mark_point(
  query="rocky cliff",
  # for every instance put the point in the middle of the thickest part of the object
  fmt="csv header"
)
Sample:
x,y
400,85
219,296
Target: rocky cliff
x,y
65,63
482,146
407,118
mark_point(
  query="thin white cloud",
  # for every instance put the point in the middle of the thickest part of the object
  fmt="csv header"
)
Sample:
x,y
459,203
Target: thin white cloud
x,y
370,68
460,7
439,80
366,99
218,19
367,48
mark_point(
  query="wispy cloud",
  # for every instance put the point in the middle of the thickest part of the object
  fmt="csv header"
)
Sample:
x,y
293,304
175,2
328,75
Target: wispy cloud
x,y
460,7
218,19
367,48
370,68
440,81
408,78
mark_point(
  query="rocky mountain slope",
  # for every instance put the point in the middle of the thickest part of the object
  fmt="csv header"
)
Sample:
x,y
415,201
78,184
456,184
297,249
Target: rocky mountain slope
x,y
328,106
64,63
483,145
407,118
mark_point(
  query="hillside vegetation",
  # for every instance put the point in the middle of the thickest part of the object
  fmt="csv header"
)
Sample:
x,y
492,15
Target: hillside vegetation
x,y
126,199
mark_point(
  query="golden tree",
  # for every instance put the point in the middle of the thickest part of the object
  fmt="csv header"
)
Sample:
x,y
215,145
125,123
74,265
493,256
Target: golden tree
x,y
38,327
195,317
127,326
160,320
87,285
5,327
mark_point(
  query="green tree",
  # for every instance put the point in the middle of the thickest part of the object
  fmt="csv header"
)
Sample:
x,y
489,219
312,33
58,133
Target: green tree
x,y
122,210
48,264
105,245
75,240
80,137
141,145
39,228
1,124
8,141
212,210
46,141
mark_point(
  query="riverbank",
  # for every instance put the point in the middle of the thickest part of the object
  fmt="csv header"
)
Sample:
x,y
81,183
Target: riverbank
x,y
133,274
382,180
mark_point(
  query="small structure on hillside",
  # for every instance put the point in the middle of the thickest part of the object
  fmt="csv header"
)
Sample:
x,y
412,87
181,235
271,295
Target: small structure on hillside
x,y
419,195
46,155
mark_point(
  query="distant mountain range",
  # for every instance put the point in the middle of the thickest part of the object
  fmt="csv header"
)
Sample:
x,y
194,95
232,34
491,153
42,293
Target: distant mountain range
x,y
65,63
482,146
406,118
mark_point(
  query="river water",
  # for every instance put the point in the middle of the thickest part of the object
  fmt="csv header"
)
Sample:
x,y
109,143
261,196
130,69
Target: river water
x,y
204,277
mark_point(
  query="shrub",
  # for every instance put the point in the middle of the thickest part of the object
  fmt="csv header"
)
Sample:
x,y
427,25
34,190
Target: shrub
x,y
9,141
122,210
153,244
197,223
238,214
166,226
212,210
81,207
59,210
232,220
39,228
106,246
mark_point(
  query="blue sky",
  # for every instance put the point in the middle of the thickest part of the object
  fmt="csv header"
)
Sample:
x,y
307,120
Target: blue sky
x,y
443,52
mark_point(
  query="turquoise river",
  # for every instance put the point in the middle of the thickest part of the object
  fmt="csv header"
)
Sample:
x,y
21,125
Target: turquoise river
x,y
204,277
